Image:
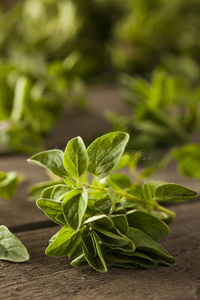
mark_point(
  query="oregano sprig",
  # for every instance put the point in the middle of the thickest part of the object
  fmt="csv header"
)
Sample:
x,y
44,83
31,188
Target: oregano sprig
x,y
106,220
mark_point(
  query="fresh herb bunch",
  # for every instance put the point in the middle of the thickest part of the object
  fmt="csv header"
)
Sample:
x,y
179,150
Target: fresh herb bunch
x,y
11,249
152,104
107,220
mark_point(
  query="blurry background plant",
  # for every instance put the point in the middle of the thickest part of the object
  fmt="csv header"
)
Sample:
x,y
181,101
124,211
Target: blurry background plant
x,y
50,50
151,31
132,36
165,112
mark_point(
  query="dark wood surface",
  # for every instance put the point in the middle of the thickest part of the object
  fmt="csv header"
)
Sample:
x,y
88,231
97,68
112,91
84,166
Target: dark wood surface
x,y
46,277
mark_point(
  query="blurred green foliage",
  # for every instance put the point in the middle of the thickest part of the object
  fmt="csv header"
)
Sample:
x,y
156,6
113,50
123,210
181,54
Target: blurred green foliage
x,y
8,184
26,112
150,32
39,32
57,46
107,36
165,111
188,159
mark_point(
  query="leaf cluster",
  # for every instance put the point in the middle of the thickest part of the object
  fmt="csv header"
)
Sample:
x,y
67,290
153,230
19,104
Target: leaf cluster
x,y
106,220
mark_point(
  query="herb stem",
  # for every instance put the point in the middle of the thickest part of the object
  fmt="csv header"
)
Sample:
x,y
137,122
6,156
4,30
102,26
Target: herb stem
x,y
120,193
164,209
129,196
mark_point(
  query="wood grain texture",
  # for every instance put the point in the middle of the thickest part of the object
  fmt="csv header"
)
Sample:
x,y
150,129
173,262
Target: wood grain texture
x,y
46,277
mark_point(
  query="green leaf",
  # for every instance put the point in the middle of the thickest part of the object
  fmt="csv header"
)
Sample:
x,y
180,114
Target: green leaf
x,y
120,180
2,176
145,243
137,191
46,193
141,259
8,185
122,265
50,159
59,191
97,262
129,247
75,157
60,245
110,238
51,208
74,207
101,221
147,172
37,189
79,261
89,243
75,246
70,182
113,198
132,259
61,219
21,95
147,191
124,161
120,222
173,192
11,248
103,205
105,153
114,257
147,223
188,158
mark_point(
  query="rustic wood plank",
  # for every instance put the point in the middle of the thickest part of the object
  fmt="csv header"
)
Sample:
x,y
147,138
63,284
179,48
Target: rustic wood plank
x,y
53,278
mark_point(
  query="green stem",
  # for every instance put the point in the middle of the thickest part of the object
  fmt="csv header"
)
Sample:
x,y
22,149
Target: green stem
x,y
165,210
129,196
121,193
